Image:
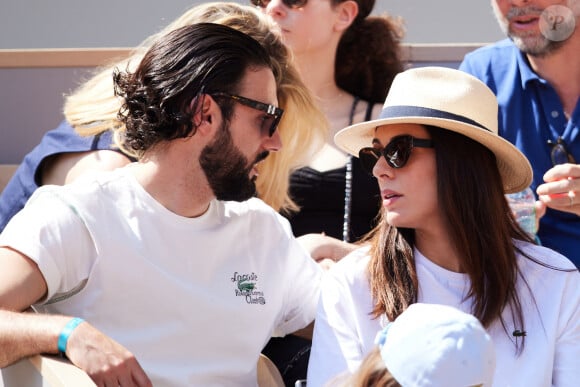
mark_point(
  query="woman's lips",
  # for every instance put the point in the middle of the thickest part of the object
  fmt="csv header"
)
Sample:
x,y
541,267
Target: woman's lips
x,y
390,197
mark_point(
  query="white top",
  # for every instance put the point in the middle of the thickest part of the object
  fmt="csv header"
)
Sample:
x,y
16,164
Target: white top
x,y
344,332
195,299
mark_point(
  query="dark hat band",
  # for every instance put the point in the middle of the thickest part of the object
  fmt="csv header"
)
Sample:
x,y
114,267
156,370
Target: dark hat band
x,y
418,111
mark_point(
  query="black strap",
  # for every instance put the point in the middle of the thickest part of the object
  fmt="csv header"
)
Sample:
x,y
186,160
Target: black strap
x,y
369,113
353,109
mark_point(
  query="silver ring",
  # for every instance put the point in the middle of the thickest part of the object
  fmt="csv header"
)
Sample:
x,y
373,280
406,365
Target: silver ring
x,y
571,200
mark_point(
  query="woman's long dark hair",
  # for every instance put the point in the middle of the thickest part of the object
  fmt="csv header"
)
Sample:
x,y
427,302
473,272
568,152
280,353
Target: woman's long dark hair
x,y
481,227
368,55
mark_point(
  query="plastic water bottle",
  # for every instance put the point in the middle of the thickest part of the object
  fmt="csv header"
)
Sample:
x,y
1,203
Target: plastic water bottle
x,y
523,206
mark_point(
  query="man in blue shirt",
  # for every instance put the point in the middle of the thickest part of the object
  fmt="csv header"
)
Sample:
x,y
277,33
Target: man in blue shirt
x,y
536,77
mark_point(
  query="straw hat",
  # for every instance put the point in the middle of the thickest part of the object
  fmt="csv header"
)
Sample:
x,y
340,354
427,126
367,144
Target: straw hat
x,y
432,345
449,99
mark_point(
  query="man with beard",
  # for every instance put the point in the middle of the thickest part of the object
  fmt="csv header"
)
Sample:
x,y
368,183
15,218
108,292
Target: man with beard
x,y
167,271
535,75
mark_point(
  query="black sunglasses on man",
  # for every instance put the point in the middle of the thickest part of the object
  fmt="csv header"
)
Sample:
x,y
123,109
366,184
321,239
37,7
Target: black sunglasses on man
x,y
272,114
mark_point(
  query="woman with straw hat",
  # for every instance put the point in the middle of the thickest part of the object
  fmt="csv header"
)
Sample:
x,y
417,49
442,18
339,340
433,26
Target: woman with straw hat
x,y
447,236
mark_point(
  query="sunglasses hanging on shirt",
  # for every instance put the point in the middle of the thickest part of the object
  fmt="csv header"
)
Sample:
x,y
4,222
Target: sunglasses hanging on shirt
x,y
559,152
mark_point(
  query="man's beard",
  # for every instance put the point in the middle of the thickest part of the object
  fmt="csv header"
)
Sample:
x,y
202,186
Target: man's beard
x,y
533,43
227,170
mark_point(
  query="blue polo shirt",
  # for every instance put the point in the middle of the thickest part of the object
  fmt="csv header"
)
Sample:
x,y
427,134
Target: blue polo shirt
x,y
530,114
26,179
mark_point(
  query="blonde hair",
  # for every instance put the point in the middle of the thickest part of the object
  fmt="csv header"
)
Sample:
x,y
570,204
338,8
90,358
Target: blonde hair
x,y
372,372
93,107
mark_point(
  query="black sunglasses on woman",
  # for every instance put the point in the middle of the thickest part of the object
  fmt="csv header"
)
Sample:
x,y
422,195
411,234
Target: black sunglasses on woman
x,y
396,152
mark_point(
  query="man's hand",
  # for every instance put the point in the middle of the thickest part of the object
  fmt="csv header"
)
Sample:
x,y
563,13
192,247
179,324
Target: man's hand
x,y
107,362
561,190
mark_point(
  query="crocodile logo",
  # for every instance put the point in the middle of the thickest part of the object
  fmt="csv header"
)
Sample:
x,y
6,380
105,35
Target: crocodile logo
x,y
246,287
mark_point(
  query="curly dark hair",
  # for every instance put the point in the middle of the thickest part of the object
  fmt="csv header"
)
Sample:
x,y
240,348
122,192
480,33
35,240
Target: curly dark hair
x,y
368,55
161,96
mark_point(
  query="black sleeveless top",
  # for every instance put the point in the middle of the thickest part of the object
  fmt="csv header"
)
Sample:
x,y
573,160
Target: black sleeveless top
x,y
321,197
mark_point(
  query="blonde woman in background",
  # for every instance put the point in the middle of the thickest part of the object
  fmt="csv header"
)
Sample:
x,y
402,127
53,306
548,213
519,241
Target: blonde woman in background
x,y
91,112
348,59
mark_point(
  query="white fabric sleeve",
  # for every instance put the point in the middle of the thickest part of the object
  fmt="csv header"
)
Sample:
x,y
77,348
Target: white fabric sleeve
x,y
50,232
303,276
335,345
567,356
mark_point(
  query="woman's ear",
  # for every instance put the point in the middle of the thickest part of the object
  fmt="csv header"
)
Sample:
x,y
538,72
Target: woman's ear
x,y
347,12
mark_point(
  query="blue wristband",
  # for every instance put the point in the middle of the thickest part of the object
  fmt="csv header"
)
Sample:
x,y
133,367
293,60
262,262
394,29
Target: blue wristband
x,y
67,330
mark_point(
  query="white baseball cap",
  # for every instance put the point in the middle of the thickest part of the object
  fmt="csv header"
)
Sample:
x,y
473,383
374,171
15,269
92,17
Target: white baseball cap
x,y
437,346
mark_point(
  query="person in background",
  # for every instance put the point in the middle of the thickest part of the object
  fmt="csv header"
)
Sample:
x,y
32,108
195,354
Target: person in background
x,y
349,81
535,74
90,138
348,59
447,236
428,345
128,269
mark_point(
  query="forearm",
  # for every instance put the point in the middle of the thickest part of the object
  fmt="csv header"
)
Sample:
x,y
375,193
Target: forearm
x,y
322,247
27,334
106,361
306,332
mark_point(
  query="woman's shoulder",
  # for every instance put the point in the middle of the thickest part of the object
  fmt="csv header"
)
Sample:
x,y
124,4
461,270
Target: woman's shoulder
x,y
542,256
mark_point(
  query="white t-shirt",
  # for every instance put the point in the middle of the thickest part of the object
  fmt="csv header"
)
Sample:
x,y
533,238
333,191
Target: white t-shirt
x,y
195,299
344,332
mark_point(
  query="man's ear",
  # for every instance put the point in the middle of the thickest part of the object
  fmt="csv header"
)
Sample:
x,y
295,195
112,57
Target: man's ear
x,y
205,113
347,12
